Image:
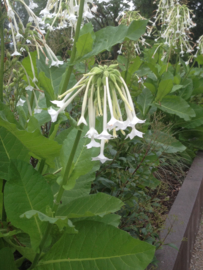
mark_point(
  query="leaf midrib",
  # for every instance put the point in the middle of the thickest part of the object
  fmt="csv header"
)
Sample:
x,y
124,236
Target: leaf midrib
x,y
4,148
36,221
90,259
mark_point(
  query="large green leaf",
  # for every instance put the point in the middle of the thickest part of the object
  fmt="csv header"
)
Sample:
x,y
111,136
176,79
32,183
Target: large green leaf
x,y
61,222
144,100
197,120
45,83
55,74
27,190
38,145
82,163
176,105
165,88
7,259
198,85
10,148
82,186
97,246
99,204
110,219
27,65
164,142
193,137
110,36
84,45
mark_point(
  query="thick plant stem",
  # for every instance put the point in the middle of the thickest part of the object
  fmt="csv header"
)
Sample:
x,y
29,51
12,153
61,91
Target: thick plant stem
x,y
67,171
73,52
2,60
1,94
59,196
77,139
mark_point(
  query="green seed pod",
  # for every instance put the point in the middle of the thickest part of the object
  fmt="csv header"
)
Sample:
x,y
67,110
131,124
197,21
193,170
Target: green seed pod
x,y
12,84
14,60
14,79
21,85
5,31
96,70
28,25
113,66
15,71
4,94
26,48
20,26
11,102
15,92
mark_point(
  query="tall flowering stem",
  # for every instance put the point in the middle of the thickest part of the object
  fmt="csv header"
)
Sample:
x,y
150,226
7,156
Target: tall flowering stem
x,y
2,59
1,89
73,52
73,151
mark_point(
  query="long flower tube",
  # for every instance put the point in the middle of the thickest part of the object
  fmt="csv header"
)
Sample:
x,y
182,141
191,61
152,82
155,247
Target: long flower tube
x,y
105,92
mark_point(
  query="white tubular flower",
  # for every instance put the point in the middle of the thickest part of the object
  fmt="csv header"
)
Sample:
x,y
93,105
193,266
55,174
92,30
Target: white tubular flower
x,y
37,110
15,53
29,88
93,143
32,5
104,135
20,102
134,133
53,113
82,118
101,156
33,70
105,89
92,131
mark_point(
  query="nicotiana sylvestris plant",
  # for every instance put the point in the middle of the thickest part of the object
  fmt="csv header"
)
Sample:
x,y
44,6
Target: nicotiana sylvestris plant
x,y
176,24
104,88
127,19
48,214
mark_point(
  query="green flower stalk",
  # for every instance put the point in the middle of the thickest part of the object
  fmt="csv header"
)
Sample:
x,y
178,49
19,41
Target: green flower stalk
x,y
104,90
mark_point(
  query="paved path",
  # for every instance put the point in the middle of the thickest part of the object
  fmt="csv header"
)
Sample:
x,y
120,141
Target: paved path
x,y
197,254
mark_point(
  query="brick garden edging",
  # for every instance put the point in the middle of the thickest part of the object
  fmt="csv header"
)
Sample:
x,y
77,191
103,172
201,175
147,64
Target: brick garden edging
x,y
185,215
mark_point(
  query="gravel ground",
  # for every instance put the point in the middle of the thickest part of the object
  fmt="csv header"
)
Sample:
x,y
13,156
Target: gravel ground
x,y
197,254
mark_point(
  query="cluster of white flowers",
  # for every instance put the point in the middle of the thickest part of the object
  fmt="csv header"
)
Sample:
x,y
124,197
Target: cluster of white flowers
x,y
104,90
64,13
127,19
199,46
176,24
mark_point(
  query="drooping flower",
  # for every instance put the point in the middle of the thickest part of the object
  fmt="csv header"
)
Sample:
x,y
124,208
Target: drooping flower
x,y
20,102
104,91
